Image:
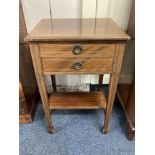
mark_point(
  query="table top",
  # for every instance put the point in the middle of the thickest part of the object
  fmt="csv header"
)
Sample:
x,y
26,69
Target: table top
x,y
76,29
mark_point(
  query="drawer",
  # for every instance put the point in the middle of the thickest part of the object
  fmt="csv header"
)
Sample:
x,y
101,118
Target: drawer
x,y
72,65
77,50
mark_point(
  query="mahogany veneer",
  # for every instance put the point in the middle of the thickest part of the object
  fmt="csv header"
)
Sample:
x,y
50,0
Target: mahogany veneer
x,y
77,46
77,100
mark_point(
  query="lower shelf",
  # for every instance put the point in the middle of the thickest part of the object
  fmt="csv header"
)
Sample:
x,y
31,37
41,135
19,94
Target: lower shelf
x,y
77,100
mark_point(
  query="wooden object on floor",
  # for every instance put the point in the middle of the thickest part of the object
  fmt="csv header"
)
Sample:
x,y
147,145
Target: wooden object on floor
x,y
26,106
76,46
126,95
28,89
22,101
126,90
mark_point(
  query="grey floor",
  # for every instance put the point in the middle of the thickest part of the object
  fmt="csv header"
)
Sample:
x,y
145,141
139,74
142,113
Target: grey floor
x,y
77,132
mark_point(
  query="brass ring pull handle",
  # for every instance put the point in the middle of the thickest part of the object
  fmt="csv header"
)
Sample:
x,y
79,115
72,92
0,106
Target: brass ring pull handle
x,y
77,65
77,49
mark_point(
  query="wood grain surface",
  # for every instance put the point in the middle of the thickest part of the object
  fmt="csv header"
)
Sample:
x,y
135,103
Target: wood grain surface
x,y
65,50
77,100
28,89
66,65
41,84
126,96
102,42
113,84
76,29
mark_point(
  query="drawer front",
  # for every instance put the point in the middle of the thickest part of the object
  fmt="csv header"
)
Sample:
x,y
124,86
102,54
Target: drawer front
x,y
72,65
70,50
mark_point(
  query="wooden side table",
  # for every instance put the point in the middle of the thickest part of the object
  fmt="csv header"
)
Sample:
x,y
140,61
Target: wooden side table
x,y
77,46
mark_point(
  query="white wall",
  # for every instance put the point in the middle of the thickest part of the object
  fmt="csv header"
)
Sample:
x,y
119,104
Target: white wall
x,y
118,10
66,8
35,10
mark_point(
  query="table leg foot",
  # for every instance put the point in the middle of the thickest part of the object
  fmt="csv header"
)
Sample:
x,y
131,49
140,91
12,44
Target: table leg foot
x,y
105,130
50,131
